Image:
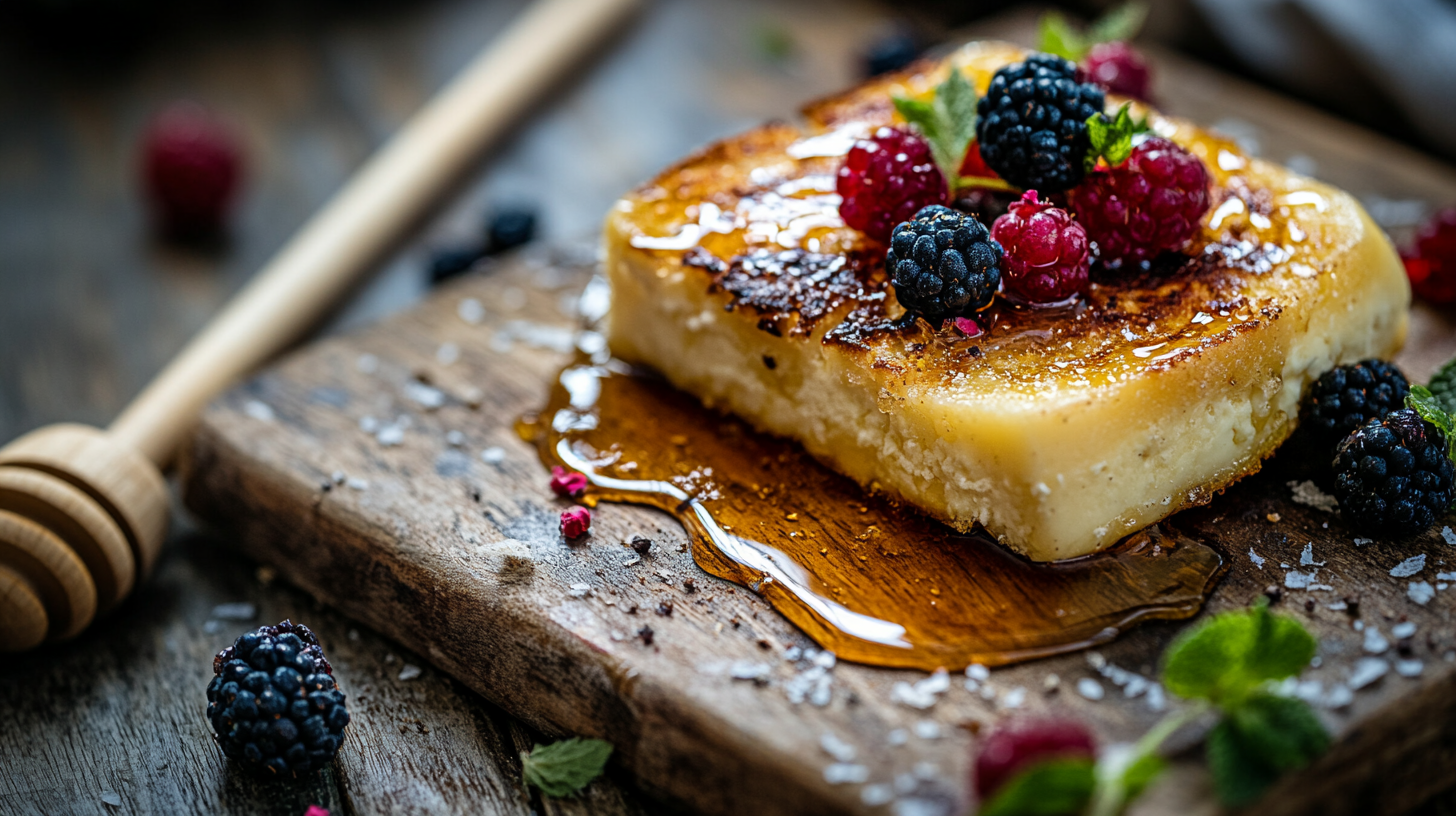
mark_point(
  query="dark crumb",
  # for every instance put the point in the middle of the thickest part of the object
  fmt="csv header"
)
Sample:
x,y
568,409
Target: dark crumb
x,y
975,351
1352,607
632,610
972,727
770,362
690,586
475,495
1404,647
665,609
1273,593
851,699
326,486
641,544
764,644
1309,605
736,622
682,547
645,633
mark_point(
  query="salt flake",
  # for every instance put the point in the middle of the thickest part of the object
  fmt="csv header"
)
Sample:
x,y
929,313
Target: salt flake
x,y
409,672
1450,536
1367,670
1306,558
1375,643
1091,689
1309,494
1409,567
1421,592
1256,558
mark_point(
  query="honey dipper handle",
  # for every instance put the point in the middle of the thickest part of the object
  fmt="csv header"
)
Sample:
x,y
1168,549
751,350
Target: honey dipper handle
x,y
368,216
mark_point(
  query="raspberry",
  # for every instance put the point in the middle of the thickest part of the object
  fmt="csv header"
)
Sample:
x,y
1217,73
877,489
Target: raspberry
x,y
886,179
1120,69
1393,476
1431,267
273,703
1009,750
567,483
190,167
1032,123
575,522
943,263
1346,397
1150,203
1046,251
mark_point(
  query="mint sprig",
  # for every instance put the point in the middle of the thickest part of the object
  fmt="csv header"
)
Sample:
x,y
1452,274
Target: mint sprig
x,y
1443,387
564,768
1111,137
1060,37
947,121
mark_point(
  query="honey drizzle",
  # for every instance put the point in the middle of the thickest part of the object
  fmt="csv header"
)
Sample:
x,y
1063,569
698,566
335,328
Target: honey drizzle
x,y
865,577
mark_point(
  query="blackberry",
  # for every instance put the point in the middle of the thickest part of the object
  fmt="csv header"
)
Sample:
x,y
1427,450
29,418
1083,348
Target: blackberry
x,y
273,704
1346,397
1032,123
1393,476
943,263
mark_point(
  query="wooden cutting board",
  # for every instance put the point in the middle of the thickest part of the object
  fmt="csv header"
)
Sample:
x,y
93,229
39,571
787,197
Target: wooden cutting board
x,y
420,512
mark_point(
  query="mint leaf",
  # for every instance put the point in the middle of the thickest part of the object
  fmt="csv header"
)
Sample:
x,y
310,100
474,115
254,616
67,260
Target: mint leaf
x,y
1423,401
948,121
1228,657
1057,36
1238,778
1121,23
1280,732
1140,774
563,768
1112,137
1443,387
1255,743
1051,788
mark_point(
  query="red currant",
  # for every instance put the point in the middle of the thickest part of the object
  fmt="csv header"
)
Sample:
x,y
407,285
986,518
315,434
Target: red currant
x,y
1008,750
190,166
1431,267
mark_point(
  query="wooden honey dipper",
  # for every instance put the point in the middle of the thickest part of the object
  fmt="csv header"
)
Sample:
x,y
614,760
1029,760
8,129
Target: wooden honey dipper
x,y
83,512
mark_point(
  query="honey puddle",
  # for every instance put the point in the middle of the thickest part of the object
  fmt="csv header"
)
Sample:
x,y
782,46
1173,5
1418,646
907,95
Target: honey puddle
x,y
866,578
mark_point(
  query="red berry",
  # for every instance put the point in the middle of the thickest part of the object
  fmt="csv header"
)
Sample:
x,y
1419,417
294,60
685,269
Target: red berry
x,y
190,165
1010,749
567,483
1046,251
1431,267
975,166
575,522
1120,69
1150,203
886,179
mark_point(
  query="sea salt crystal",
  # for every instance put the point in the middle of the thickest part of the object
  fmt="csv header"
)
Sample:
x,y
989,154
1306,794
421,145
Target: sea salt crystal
x,y
1409,668
471,311
580,590
390,436
915,806
493,455
447,354
977,672
1157,701
1367,670
748,670
1306,558
826,660
1337,606
259,411
1304,580
1091,689
241,611
1256,558
1375,643
923,693
1450,536
1421,592
1446,576
111,798
1309,494
836,747
409,672
366,364
899,736
927,729
905,783
880,793
427,396
1409,567
1401,631
1014,698
356,483
841,773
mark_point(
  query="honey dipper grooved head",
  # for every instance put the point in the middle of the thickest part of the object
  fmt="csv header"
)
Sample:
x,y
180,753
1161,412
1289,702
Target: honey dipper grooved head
x,y
82,517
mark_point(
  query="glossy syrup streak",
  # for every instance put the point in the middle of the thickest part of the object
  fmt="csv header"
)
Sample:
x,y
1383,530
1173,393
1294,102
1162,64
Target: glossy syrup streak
x,y
865,577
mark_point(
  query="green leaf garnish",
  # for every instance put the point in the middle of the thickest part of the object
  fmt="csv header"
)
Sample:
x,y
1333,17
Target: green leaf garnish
x,y
1058,36
1231,656
1112,137
1050,788
563,768
947,120
1443,387
1263,738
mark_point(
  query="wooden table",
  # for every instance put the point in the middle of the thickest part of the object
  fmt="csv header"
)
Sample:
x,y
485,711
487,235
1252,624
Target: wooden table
x,y
112,723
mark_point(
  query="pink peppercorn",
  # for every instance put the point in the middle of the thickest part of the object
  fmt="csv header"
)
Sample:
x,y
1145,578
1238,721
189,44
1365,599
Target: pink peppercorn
x,y
575,522
567,484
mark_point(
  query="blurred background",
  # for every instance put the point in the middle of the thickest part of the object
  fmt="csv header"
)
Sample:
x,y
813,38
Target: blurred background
x,y
110,260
